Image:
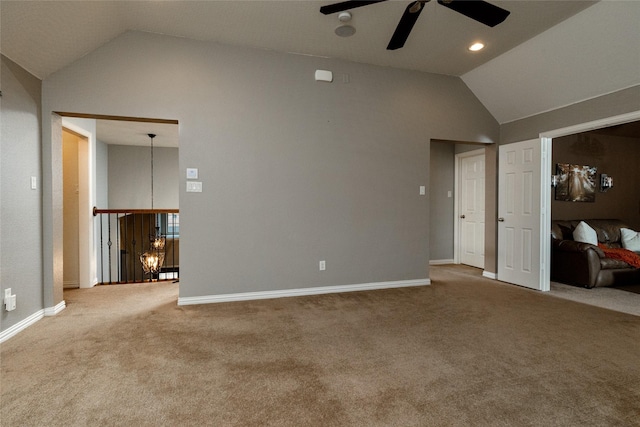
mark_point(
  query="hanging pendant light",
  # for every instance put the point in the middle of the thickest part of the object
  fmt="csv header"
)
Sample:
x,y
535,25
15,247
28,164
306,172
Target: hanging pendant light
x,y
153,258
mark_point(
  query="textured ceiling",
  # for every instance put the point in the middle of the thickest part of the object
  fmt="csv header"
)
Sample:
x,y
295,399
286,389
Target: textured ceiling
x,y
546,55
117,132
44,36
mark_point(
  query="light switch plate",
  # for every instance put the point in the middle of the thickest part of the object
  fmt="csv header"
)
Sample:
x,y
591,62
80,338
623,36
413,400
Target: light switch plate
x,y
194,187
423,190
192,173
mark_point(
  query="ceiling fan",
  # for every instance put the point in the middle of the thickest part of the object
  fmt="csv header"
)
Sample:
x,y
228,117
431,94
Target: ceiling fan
x,y
479,10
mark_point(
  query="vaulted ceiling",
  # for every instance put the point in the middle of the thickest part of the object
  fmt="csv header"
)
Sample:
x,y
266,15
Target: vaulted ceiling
x,y
45,36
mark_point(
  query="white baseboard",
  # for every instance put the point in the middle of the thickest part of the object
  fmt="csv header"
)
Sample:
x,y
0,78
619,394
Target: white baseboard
x,y
52,311
488,275
441,261
21,326
246,296
25,323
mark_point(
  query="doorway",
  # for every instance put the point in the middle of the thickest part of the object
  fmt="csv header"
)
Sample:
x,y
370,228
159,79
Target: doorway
x,y
94,136
444,195
543,193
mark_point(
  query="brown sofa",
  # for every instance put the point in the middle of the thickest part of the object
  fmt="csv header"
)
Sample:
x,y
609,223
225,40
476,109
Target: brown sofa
x,y
583,264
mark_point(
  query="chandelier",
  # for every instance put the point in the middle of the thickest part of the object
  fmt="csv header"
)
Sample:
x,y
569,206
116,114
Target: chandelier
x,y
153,258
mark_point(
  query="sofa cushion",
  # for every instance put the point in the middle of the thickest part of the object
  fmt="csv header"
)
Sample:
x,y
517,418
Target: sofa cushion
x,y
608,231
585,234
630,239
611,263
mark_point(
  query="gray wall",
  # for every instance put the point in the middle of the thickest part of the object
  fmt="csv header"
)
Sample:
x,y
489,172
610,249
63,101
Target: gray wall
x,y
102,201
616,156
20,207
442,180
464,148
130,177
102,174
611,105
294,171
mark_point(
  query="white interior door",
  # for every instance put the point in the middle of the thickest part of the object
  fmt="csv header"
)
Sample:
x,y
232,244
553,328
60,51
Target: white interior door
x,y
522,214
471,209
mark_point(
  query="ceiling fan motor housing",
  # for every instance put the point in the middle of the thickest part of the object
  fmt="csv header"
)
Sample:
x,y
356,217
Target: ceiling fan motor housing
x,y
478,10
344,17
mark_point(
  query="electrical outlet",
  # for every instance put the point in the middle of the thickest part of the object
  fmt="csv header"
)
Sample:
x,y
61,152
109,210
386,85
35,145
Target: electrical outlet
x,y
9,300
10,303
322,265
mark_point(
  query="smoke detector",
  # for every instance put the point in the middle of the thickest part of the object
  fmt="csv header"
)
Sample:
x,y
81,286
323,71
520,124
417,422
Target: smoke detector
x,y
344,17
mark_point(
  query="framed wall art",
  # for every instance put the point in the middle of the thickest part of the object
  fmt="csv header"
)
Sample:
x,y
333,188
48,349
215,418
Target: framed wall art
x,y
576,183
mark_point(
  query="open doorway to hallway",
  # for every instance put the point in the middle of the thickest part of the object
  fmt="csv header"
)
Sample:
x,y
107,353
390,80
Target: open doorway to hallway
x,y
121,172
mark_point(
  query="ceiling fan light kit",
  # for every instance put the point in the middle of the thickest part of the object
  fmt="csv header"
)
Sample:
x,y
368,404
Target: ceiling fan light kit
x,y
478,10
344,30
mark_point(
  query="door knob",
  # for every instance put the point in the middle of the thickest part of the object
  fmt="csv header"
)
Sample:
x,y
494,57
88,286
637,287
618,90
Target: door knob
x,y
500,219
462,216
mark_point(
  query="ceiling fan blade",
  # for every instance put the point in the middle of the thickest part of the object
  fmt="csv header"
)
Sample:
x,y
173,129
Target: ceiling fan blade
x,y
346,5
481,11
408,20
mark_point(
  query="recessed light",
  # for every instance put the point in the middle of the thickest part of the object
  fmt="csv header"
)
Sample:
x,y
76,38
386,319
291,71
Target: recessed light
x,y
476,47
345,31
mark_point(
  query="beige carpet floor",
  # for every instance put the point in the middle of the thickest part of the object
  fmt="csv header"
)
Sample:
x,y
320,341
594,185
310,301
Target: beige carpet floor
x,y
606,297
462,351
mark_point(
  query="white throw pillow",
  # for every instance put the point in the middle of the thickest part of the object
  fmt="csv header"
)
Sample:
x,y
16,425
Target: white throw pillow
x,y
584,233
630,239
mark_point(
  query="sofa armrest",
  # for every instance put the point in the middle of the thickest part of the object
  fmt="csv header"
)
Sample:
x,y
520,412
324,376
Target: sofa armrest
x,y
575,262
573,246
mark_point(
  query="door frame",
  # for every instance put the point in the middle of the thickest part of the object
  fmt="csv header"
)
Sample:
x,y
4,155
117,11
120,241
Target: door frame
x,y
547,141
456,200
